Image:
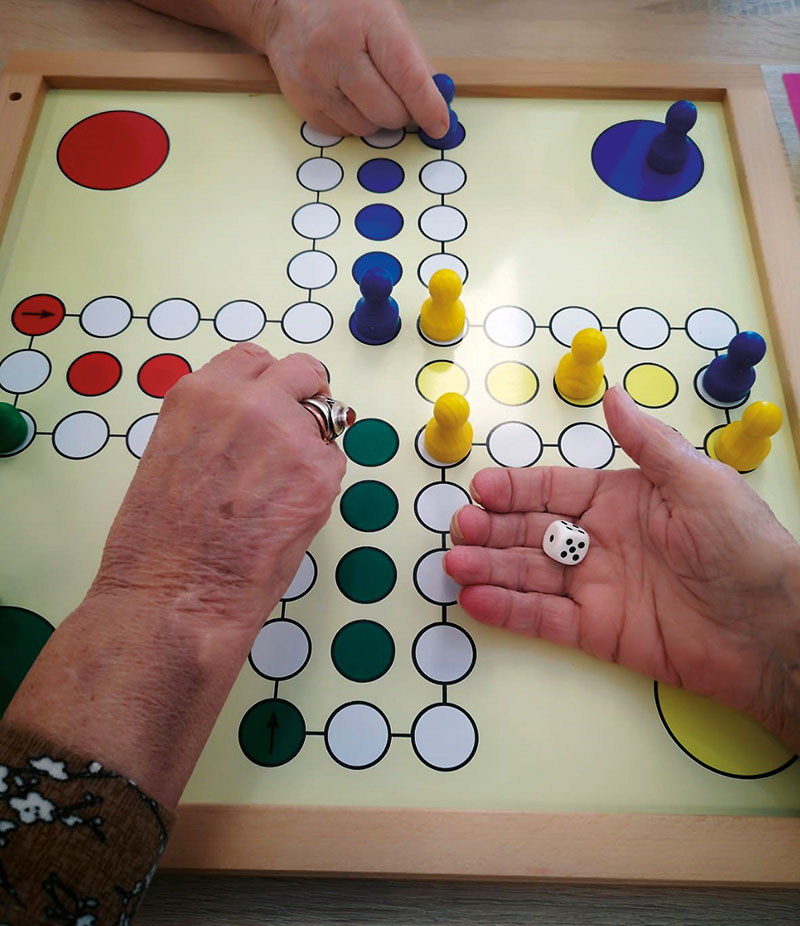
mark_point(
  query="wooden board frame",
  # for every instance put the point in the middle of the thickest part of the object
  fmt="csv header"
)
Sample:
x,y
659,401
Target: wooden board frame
x,y
676,848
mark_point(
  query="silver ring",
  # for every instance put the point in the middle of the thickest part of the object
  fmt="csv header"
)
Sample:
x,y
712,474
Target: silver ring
x,y
333,418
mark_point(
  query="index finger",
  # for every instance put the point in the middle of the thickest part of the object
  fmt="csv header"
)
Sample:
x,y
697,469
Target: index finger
x,y
567,490
299,375
402,64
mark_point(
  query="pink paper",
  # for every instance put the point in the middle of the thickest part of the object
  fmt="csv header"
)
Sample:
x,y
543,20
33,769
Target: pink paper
x,y
792,84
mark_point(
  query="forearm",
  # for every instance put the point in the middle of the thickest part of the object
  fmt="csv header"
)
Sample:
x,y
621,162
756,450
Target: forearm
x,y
235,16
135,684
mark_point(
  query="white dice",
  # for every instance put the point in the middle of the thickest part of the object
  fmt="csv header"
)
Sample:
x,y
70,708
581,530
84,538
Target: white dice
x,y
565,543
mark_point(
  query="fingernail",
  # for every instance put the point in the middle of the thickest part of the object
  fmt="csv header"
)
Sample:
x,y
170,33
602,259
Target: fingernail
x,y
455,529
474,492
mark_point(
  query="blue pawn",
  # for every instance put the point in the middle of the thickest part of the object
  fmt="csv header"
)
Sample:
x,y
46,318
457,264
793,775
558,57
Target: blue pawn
x,y
730,376
669,150
455,133
376,318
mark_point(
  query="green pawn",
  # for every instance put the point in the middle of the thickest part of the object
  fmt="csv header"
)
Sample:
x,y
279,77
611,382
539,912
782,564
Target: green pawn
x,y
13,428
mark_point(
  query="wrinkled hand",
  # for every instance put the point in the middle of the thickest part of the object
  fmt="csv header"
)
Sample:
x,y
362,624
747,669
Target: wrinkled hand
x,y
232,488
689,578
349,66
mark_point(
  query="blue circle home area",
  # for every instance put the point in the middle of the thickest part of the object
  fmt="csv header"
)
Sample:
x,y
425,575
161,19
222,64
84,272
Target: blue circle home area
x,y
381,260
379,221
380,175
619,157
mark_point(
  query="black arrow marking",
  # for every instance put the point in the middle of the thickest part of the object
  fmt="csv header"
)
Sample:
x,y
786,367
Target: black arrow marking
x,y
43,314
272,726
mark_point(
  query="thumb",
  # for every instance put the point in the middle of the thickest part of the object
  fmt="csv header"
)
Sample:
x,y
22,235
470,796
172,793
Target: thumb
x,y
664,456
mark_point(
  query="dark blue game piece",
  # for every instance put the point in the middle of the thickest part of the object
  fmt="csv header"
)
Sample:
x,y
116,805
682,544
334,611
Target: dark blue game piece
x,y
669,150
621,156
455,134
730,376
376,319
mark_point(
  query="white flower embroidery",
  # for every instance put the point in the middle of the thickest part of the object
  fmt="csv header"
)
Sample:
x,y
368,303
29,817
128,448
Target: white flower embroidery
x,y
95,767
50,767
3,776
72,820
33,807
87,920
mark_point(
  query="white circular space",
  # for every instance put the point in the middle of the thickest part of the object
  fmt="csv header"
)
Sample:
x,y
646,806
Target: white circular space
x,y
357,735
444,653
320,174
303,579
514,443
567,322
438,502
106,316
307,322
139,433
444,736
432,581
240,320
173,319
587,445
281,649
443,177
80,435
312,269
443,223
23,371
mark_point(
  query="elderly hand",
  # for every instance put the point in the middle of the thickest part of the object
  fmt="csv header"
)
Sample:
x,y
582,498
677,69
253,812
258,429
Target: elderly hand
x,y
349,66
689,579
233,486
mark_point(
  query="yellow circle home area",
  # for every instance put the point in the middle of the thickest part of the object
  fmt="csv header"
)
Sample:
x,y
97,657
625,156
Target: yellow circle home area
x,y
512,383
720,738
650,385
441,376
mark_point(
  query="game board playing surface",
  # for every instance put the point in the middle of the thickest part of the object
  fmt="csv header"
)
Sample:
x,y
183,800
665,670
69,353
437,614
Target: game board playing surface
x,y
150,231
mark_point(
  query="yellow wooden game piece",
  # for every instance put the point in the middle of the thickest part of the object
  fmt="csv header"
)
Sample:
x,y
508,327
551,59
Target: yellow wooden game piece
x,y
579,374
442,317
744,444
448,435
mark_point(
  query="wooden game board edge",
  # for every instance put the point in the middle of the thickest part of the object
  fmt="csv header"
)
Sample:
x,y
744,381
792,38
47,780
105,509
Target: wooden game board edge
x,y
18,118
410,842
774,226
475,76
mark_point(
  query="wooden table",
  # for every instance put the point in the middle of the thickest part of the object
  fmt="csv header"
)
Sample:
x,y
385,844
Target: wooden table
x,y
743,31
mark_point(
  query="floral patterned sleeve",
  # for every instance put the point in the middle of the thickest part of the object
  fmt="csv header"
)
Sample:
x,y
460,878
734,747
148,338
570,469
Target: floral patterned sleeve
x,y
79,844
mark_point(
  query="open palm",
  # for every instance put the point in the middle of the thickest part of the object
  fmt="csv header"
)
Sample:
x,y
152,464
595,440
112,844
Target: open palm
x,y
689,578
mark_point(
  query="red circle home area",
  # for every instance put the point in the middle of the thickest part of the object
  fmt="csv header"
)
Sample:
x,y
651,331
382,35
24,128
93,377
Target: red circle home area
x,y
113,150
160,373
37,315
94,373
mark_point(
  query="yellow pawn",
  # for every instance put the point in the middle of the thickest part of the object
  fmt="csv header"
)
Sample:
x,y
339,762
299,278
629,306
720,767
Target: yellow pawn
x,y
448,435
745,444
579,374
442,317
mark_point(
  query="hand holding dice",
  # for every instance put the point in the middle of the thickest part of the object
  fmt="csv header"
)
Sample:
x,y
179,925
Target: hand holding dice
x,y
566,543
691,579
